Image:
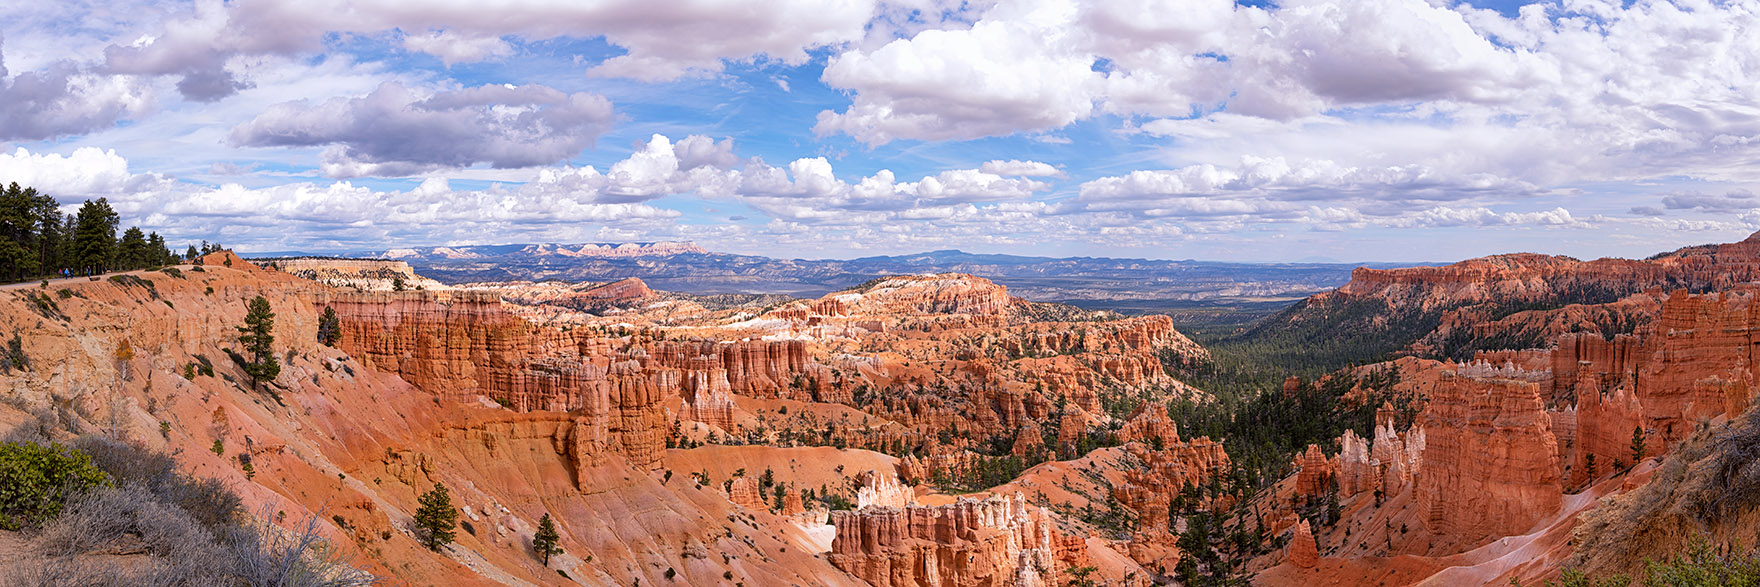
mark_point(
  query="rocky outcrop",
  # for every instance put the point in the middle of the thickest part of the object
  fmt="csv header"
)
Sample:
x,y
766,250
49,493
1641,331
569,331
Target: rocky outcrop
x,y
792,504
1385,464
745,492
1357,471
708,398
356,274
1396,457
624,289
1150,425
461,343
1697,363
1150,489
882,490
913,295
752,367
447,342
1607,361
1447,311
1303,551
593,298
994,542
1314,471
1168,466
1144,333
1029,440
1489,462
627,418
1604,423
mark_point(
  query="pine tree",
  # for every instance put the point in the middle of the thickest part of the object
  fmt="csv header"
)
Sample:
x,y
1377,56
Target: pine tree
x,y
157,252
258,337
329,327
1637,444
94,235
25,243
1589,466
131,251
436,518
546,540
192,253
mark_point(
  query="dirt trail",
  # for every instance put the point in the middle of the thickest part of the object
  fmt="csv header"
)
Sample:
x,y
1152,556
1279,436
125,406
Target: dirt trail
x,y
66,280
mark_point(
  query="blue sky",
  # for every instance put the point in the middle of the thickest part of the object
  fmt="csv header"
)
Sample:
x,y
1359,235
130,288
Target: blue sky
x,y
1358,130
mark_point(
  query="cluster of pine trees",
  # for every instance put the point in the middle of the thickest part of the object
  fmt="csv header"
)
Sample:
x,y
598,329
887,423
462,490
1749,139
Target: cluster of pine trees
x,y
37,240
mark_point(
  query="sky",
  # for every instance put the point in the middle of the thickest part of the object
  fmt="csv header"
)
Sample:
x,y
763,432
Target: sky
x,y
1352,130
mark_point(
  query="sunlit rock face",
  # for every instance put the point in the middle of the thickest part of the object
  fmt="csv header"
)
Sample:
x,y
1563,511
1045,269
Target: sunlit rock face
x,y
1490,461
992,542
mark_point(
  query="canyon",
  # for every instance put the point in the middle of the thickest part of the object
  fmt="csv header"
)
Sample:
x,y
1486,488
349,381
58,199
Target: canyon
x,y
910,430
593,418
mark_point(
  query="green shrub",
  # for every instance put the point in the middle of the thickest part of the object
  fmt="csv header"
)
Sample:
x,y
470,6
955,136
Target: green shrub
x,y
1702,566
36,481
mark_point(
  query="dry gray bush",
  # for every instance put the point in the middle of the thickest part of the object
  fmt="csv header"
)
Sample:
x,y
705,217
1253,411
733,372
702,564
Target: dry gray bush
x,y
175,530
1734,483
209,501
268,555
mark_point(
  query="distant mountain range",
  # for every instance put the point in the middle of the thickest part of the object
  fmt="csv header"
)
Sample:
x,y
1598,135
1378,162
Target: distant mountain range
x,y
686,267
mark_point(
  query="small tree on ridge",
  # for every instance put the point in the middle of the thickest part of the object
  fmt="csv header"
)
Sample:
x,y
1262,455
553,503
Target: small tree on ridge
x,y
258,337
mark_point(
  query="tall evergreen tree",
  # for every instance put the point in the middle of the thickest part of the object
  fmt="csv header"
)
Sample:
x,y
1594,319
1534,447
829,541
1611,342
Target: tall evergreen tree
x,y
191,254
157,251
22,213
436,518
131,251
69,231
547,540
258,337
52,239
94,235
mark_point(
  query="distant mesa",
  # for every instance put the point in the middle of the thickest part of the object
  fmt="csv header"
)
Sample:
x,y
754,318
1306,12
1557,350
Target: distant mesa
x,y
358,274
608,250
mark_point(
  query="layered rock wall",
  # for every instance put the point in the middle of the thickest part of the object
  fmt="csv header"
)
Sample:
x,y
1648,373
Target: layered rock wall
x,y
752,367
459,343
1000,541
1490,461
1698,362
